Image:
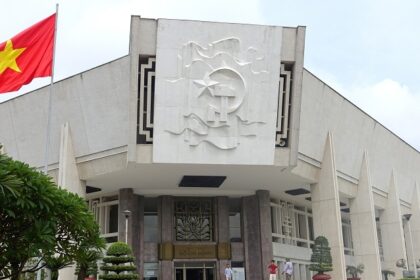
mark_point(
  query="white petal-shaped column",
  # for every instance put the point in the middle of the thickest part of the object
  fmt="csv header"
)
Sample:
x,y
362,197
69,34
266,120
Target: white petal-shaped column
x,y
363,225
68,174
392,230
415,221
68,178
326,209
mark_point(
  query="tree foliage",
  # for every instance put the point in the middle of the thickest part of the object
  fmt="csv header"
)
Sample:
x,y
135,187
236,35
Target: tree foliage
x,y
321,256
118,264
39,219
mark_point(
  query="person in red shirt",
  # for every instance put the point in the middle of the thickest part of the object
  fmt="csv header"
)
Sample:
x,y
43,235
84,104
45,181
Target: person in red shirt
x,y
272,269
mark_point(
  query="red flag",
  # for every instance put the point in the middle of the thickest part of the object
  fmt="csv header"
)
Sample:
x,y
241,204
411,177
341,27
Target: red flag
x,y
27,55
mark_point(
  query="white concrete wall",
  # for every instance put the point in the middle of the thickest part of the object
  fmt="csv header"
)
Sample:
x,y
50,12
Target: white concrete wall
x,y
94,103
216,92
143,41
292,252
354,131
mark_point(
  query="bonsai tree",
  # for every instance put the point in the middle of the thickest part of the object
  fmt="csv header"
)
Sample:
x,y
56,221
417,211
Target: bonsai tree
x,y
401,263
321,259
354,271
118,263
387,272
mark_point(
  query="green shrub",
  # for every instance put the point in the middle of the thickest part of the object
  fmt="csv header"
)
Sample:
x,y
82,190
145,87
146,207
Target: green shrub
x,y
118,264
120,259
119,249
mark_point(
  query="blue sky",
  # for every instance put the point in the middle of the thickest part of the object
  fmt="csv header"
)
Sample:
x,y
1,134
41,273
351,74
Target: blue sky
x,y
367,50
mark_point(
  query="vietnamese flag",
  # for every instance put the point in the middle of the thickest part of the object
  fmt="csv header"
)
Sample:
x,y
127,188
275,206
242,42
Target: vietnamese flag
x,y
27,55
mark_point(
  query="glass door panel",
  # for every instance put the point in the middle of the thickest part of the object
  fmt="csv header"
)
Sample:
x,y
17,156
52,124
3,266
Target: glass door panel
x,y
195,271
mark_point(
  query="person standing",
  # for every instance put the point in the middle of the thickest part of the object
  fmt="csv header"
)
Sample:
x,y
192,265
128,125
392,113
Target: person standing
x,y
272,270
288,269
228,272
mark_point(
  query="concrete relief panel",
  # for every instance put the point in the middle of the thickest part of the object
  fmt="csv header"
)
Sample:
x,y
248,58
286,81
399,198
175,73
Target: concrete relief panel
x,y
216,92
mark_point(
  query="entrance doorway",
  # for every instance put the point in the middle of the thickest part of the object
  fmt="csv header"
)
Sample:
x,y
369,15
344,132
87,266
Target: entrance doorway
x,y
195,271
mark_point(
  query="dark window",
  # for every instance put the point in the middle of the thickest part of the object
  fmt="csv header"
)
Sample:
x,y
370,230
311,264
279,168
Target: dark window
x,y
113,218
235,231
151,224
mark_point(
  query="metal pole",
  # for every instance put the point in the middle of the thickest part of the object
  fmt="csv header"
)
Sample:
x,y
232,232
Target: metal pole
x,y
47,142
126,215
126,229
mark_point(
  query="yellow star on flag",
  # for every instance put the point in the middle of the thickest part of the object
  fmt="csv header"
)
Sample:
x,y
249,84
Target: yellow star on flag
x,y
8,57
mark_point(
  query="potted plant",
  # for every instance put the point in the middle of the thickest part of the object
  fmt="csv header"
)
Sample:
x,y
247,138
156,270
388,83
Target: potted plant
x,y
401,263
354,271
321,259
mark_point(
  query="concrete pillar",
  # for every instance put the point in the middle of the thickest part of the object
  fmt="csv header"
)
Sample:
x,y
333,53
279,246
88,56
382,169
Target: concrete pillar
x,y
265,229
222,236
257,234
408,244
392,230
326,209
297,95
129,201
166,214
252,239
140,236
415,221
363,225
68,178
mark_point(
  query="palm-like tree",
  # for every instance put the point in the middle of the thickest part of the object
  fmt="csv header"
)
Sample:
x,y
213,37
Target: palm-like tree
x,y
57,263
387,272
86,263
355,271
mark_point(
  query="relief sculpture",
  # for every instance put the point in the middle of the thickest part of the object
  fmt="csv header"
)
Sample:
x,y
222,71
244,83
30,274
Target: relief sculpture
x,y
217,106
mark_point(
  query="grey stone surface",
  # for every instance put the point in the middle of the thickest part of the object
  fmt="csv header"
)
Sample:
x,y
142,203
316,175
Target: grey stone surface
x,y
166,214
138,239
237,251
265,227
252,238
222,228
150,252
222,214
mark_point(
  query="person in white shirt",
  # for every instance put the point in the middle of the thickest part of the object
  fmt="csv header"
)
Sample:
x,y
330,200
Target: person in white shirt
x,y
288,269
228,272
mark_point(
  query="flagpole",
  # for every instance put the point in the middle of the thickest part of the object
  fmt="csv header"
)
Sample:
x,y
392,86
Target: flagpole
x,y
47,142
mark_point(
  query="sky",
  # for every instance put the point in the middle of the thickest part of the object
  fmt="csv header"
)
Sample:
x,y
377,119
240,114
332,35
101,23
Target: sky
x,y
367,50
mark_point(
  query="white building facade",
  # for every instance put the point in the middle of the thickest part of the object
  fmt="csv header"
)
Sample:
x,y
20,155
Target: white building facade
x,y
225,150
